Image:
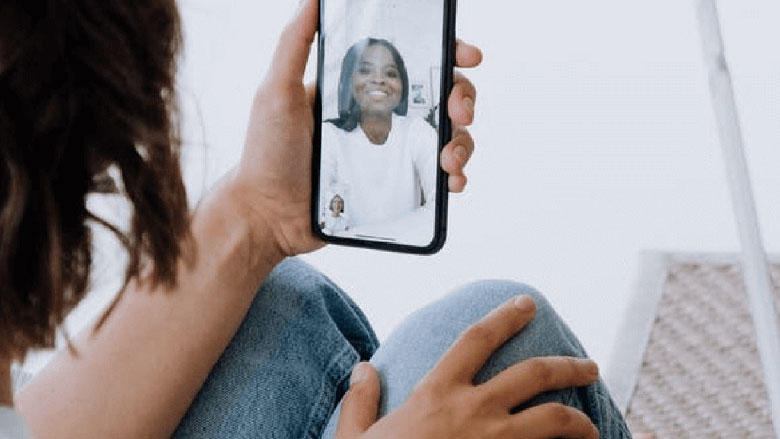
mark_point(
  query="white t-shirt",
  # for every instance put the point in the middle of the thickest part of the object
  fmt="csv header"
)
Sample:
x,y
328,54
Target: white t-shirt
x,y
380,183
336,224
11,425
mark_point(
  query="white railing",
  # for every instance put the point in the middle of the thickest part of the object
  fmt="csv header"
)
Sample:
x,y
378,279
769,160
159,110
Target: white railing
x,y
755,266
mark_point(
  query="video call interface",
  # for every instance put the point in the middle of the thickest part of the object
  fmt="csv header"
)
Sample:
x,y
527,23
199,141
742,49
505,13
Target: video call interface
x,y
380,109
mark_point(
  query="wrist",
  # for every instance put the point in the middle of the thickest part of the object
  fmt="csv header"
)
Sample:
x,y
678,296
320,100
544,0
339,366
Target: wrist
x,y
263,245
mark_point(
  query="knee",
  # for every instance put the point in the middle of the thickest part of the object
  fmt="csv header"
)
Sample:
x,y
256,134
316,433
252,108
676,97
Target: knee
x,y
418,343
292,285
480,297
498,291
546,335
293,277
288,290
296,289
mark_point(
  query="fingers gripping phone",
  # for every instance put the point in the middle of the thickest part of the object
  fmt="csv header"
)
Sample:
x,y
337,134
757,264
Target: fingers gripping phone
x,y
384,76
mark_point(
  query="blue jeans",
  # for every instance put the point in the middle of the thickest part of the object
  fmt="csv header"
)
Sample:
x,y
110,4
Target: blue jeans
x,y
288,366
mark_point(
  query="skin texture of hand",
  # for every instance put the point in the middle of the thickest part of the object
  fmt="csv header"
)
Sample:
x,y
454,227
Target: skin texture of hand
x,y
273,177
446,404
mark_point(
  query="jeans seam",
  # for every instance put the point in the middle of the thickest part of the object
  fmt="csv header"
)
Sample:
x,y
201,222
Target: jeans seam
x,y
604,401
363,346
335,372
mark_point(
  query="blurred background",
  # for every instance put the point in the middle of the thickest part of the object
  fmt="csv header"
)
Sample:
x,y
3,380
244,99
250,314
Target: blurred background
x,y
595,141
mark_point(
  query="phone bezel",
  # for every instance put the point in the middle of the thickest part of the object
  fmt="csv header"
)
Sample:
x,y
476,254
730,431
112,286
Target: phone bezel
x,y
445,135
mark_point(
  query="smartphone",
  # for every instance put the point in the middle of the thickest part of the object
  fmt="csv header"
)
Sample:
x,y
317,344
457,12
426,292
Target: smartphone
x,y
384,74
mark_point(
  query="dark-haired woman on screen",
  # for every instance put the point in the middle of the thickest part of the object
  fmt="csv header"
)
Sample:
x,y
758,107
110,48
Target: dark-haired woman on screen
x,y
386,158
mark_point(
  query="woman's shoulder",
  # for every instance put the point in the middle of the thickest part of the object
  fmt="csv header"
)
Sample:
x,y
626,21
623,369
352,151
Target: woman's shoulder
x,y
416,127
330,129
332,136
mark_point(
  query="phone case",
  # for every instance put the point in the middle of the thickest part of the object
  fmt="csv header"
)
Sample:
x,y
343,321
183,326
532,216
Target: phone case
x,y
444,136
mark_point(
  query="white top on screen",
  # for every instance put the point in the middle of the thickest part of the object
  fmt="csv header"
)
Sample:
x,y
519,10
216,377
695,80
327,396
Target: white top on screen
x,y
386,182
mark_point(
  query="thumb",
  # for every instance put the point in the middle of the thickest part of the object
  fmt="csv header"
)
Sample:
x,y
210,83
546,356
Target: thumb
x,y
292,52
361,404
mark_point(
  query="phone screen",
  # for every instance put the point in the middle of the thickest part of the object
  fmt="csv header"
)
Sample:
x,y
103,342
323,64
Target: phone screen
x,y
380,101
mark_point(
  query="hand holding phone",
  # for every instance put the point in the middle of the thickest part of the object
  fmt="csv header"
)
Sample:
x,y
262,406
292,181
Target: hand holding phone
x,y
274,175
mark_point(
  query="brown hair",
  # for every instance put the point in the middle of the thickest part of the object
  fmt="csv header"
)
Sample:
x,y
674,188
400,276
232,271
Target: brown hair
x,y
85,86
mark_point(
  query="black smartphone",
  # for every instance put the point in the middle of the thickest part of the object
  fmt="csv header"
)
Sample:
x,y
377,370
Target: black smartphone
x,y
384,74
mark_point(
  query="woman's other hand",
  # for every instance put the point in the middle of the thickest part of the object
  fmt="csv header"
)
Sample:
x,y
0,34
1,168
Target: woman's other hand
x,y
446,404
272,182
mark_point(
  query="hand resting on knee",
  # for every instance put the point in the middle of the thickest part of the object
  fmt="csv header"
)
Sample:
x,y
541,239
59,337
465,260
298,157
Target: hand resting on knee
x,y
447,404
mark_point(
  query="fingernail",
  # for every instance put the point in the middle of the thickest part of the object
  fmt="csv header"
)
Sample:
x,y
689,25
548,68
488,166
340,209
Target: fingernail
x,y
525,303
590,367
461,153
359,373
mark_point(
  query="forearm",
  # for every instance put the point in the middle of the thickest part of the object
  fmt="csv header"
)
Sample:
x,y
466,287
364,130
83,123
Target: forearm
x,y
137,375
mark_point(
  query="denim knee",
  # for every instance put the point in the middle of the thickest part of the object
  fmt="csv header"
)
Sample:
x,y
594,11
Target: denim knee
x,y
546,335
422,338
286,367
294,283
418,343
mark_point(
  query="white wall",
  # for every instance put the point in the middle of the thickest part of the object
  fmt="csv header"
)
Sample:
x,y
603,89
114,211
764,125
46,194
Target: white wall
x,y
595,139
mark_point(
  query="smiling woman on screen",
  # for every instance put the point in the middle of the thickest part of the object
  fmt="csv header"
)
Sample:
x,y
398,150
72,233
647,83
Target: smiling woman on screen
x,y
385,157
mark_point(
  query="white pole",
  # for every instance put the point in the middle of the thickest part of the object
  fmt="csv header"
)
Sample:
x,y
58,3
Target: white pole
x,y
755,267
